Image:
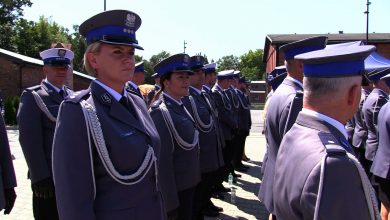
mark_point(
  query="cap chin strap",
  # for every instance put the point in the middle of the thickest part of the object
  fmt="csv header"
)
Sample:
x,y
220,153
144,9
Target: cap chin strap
x,y
367,188
94,128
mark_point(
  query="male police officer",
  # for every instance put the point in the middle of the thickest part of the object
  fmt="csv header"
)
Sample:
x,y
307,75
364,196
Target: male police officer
x,y
359,137
283,109
7,172
316,174
371,107
37,114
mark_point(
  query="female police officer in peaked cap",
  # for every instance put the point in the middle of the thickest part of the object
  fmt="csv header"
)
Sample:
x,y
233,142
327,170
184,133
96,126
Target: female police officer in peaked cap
x,y
106,144
179,164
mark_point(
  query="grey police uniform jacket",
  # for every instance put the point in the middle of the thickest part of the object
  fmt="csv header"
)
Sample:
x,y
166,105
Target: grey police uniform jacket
x,y
244,112
233,97
225,112
7,172
208,94
36,130
133,90
179,168
360,133
84,188
381,165
297,175
371,108
283,108
210,152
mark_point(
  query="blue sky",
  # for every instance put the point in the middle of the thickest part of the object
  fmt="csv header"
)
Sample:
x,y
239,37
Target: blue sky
x,y
222,27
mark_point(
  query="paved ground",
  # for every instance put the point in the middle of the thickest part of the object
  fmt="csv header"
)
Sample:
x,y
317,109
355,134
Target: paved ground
x,y
247,205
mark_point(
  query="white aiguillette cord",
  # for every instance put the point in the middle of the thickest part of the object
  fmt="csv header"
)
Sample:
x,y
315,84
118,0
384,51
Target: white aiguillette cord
x,y
94,128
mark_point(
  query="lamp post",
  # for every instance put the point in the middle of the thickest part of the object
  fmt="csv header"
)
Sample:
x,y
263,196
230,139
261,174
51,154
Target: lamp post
x,y
367,12
104,5
185,43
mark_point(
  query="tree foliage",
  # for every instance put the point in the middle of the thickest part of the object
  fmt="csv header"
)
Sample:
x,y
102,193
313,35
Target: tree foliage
x,y
251,65
228,62
10,11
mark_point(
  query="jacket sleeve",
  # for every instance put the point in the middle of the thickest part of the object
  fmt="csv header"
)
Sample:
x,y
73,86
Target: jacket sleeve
x,y
31,137
6,166
72,169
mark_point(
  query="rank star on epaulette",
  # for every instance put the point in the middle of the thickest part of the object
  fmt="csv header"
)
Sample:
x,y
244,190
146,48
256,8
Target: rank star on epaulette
x,y
106,98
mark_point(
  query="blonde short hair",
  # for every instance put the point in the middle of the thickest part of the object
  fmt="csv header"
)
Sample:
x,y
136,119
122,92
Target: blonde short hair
x,y
92,48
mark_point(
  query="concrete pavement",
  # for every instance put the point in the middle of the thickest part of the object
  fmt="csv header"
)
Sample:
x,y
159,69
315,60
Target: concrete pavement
x,y
247,205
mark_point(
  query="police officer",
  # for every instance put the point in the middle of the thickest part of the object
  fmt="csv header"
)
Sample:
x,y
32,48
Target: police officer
x,y
36,116
179,164
244,122
371,107
226,120
155,89
106,145
209,82
7,172
283,109
316,174
360,133
211,159
138,79
380,165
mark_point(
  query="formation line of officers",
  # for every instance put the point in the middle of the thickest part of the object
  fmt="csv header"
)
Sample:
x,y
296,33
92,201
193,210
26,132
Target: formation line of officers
x,y
109,153
327,134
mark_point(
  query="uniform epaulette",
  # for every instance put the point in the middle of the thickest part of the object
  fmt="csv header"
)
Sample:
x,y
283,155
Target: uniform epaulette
x,y
34,88
76,97
299,94
331,144
156,104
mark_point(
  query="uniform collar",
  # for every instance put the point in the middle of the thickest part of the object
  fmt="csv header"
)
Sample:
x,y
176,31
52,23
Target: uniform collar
x,y
133,84
218,87
112,92
54,87
327,119
172,99
196,90
295,80
206,88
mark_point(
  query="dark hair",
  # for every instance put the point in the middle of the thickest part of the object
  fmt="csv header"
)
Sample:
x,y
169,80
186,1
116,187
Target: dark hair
x,y
166,76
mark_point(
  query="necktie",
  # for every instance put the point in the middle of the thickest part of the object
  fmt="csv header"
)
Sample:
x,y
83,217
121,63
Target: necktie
x,y
62,93
125,102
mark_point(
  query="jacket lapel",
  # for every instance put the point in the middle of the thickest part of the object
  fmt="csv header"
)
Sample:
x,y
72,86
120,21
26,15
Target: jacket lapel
x,y
115,109
53,94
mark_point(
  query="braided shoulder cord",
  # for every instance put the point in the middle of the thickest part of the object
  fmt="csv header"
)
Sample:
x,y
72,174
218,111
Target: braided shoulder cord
x,y
244,106
173,132
206,128
94,126
43,106
226,105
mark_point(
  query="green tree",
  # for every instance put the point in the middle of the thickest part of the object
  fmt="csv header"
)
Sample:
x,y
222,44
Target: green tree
x,y
251,65
26,37
228,62
79,45
10,11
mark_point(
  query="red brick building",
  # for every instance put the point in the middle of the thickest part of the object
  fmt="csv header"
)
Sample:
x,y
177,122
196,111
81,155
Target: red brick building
x,y
18,72
273,57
